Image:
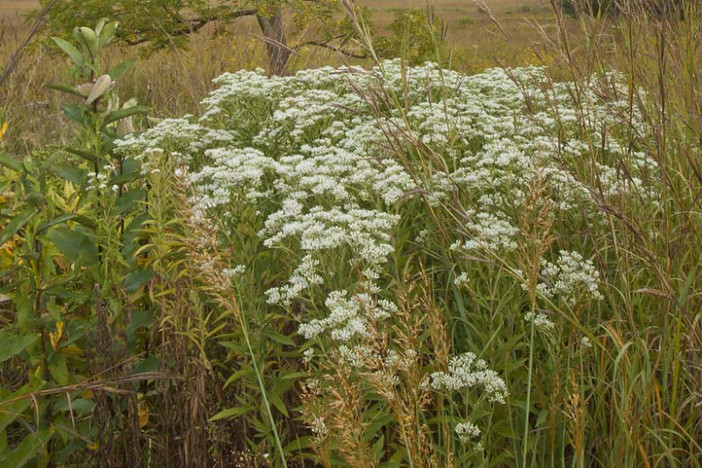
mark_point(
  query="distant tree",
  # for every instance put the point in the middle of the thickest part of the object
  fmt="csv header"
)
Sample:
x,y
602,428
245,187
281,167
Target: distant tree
x,y
164,22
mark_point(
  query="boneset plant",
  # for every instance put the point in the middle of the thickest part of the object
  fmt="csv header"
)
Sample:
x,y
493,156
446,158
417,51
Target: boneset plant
x,y
416,235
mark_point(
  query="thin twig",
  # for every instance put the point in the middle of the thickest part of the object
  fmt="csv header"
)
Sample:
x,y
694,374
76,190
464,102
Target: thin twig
x,y
14,60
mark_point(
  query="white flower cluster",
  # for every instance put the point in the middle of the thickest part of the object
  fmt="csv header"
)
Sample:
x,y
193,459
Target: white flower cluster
x,y
465,371
466,431
491,232
461,279
302,278
540,321
314,155
570,277
349,317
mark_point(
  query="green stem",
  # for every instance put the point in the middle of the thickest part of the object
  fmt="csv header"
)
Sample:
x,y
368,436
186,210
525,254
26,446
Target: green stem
x,y
525,445
278,445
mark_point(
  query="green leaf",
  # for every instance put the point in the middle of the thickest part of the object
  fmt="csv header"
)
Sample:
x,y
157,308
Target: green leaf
x,y
63,88
377,448
238,375
122,179
29,448
85,221
121,69
11,411
12,345
10,162
75,113
16,224
136,278
59,370
74,245
278,338
105,35
83,154
278,403
138,319
150,364
60,220
70,50
129,200
123,114
230,413
68,172
89,39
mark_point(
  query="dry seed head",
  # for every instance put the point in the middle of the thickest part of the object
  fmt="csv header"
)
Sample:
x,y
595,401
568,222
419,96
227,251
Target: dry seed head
x,y
84,89
101,86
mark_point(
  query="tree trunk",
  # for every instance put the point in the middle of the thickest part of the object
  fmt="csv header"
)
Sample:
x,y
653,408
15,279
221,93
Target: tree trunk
x,y
278,53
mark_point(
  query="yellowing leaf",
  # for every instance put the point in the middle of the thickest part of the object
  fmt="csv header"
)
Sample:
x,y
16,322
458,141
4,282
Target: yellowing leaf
x,y
6,254
143,410
55,337
3,129
73,350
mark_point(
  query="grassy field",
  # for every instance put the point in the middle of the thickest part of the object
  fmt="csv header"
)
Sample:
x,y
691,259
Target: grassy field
x,y
489,261
474,44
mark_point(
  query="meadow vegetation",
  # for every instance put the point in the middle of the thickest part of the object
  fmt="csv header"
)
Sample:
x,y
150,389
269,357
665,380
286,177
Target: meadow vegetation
x,y
477,246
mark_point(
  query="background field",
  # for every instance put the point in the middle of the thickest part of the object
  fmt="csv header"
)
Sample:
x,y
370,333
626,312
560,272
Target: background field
x,y
173,82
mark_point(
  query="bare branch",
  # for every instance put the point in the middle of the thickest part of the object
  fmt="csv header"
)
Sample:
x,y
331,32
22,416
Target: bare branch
x,y
191,26
326,45
14,60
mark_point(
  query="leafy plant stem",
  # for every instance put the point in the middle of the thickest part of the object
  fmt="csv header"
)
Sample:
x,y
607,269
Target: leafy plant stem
x,y
259,379
525,445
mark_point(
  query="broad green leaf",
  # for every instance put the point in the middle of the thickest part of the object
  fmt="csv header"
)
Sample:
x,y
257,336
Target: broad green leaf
x,y
88,38
125,178
83,154
68,172
137,278
121,69
278,338
75,113
85,221
16,224
123,114
106,34
74,245
11,411
278,403
59,370
11,345
32,445
63,88
70,50
238,375
10,162
129,200
60,220
230,413
150,364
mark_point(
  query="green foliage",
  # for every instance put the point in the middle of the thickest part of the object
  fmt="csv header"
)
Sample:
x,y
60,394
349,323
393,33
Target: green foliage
x,y
72,230
416,35
168,23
